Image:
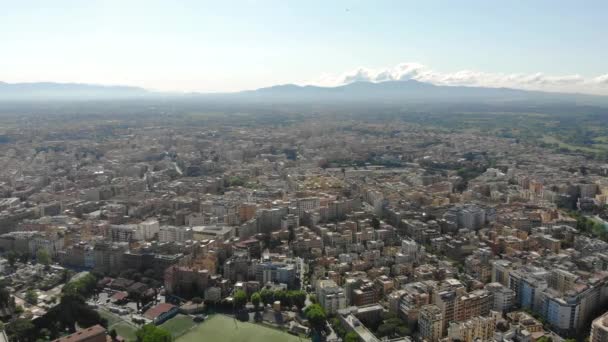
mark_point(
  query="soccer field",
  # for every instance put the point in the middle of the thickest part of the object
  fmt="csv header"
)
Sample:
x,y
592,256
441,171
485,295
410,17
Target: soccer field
x,y
224,328
178,325
122,327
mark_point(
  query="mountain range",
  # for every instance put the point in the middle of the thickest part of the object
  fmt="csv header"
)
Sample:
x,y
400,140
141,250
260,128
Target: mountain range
x,y
368,92
66,91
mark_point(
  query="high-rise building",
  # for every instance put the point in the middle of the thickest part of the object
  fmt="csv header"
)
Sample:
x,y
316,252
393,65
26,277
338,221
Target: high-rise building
x,y
330,296
503,298
430,323
480,328
599,329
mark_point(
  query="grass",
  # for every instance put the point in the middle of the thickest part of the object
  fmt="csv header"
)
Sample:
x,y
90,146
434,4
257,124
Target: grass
x,y
178,325
552,140
110,317
115,322
125,330
224,328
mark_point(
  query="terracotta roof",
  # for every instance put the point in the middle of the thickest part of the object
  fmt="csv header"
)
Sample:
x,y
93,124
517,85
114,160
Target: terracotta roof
x,y
156,311
118,296
84,334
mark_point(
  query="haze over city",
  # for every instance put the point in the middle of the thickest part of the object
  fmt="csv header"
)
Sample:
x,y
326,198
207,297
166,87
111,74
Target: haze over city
x,y
321,171
211,46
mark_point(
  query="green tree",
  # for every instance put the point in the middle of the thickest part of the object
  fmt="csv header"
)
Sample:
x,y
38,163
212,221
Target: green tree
x,y
44,332
197,300
298,298
386,329
281,296
113,334
20,329
12,258
240,299
403,330
72,310
338,328
43,257
152,333
31,297
256,298
351,337
267,296
24,257
316,316
375,223
84,286
5,297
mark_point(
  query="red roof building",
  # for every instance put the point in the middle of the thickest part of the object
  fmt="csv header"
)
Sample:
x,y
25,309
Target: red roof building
x,y
96,333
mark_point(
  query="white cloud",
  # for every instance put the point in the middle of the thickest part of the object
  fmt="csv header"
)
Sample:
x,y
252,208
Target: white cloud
x,y
422,73
601,79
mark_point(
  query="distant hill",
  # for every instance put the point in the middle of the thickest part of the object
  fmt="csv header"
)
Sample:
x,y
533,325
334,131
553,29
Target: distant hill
x,y
390,92
66,91
408,91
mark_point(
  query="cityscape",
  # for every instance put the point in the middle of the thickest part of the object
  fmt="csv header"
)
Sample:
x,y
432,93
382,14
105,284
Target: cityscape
x,y
152,189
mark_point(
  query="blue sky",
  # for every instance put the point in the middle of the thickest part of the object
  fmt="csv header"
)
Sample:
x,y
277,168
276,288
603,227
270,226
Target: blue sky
x,y
232,45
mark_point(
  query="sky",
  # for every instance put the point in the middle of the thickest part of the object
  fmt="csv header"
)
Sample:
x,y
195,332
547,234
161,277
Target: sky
x,y
219,46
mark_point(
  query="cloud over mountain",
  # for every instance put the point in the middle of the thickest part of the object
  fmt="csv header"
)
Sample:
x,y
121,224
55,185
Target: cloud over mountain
x,y
419,72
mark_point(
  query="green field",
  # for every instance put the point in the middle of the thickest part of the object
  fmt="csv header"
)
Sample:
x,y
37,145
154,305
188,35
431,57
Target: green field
x,y
178,325
552,140
115,322
125,330
110,317
224,328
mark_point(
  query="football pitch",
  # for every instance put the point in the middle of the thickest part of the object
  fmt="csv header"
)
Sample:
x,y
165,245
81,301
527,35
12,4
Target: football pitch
x,y
224,328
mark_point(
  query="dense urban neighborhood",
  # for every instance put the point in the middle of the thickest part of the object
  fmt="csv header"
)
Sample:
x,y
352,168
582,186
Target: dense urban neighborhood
x,y
290,230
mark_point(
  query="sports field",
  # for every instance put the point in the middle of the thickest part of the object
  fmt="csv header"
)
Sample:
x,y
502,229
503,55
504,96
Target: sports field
x,y
178,325
224,328
115,322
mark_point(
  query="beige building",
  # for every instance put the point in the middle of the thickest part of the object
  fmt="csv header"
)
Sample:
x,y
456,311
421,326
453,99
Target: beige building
x,y
476,328
599,329
430,323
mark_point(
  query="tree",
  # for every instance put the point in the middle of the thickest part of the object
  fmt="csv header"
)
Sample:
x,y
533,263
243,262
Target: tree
x,y
197,300
20,329
43,257
316,316
84,286
336,324
24,257
71,311
44,332
256,298
12,258
351,337
240,299
403,330
281,296
152,333
375,223
386,329
298,298
267,296
31,297
113,334
5,297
